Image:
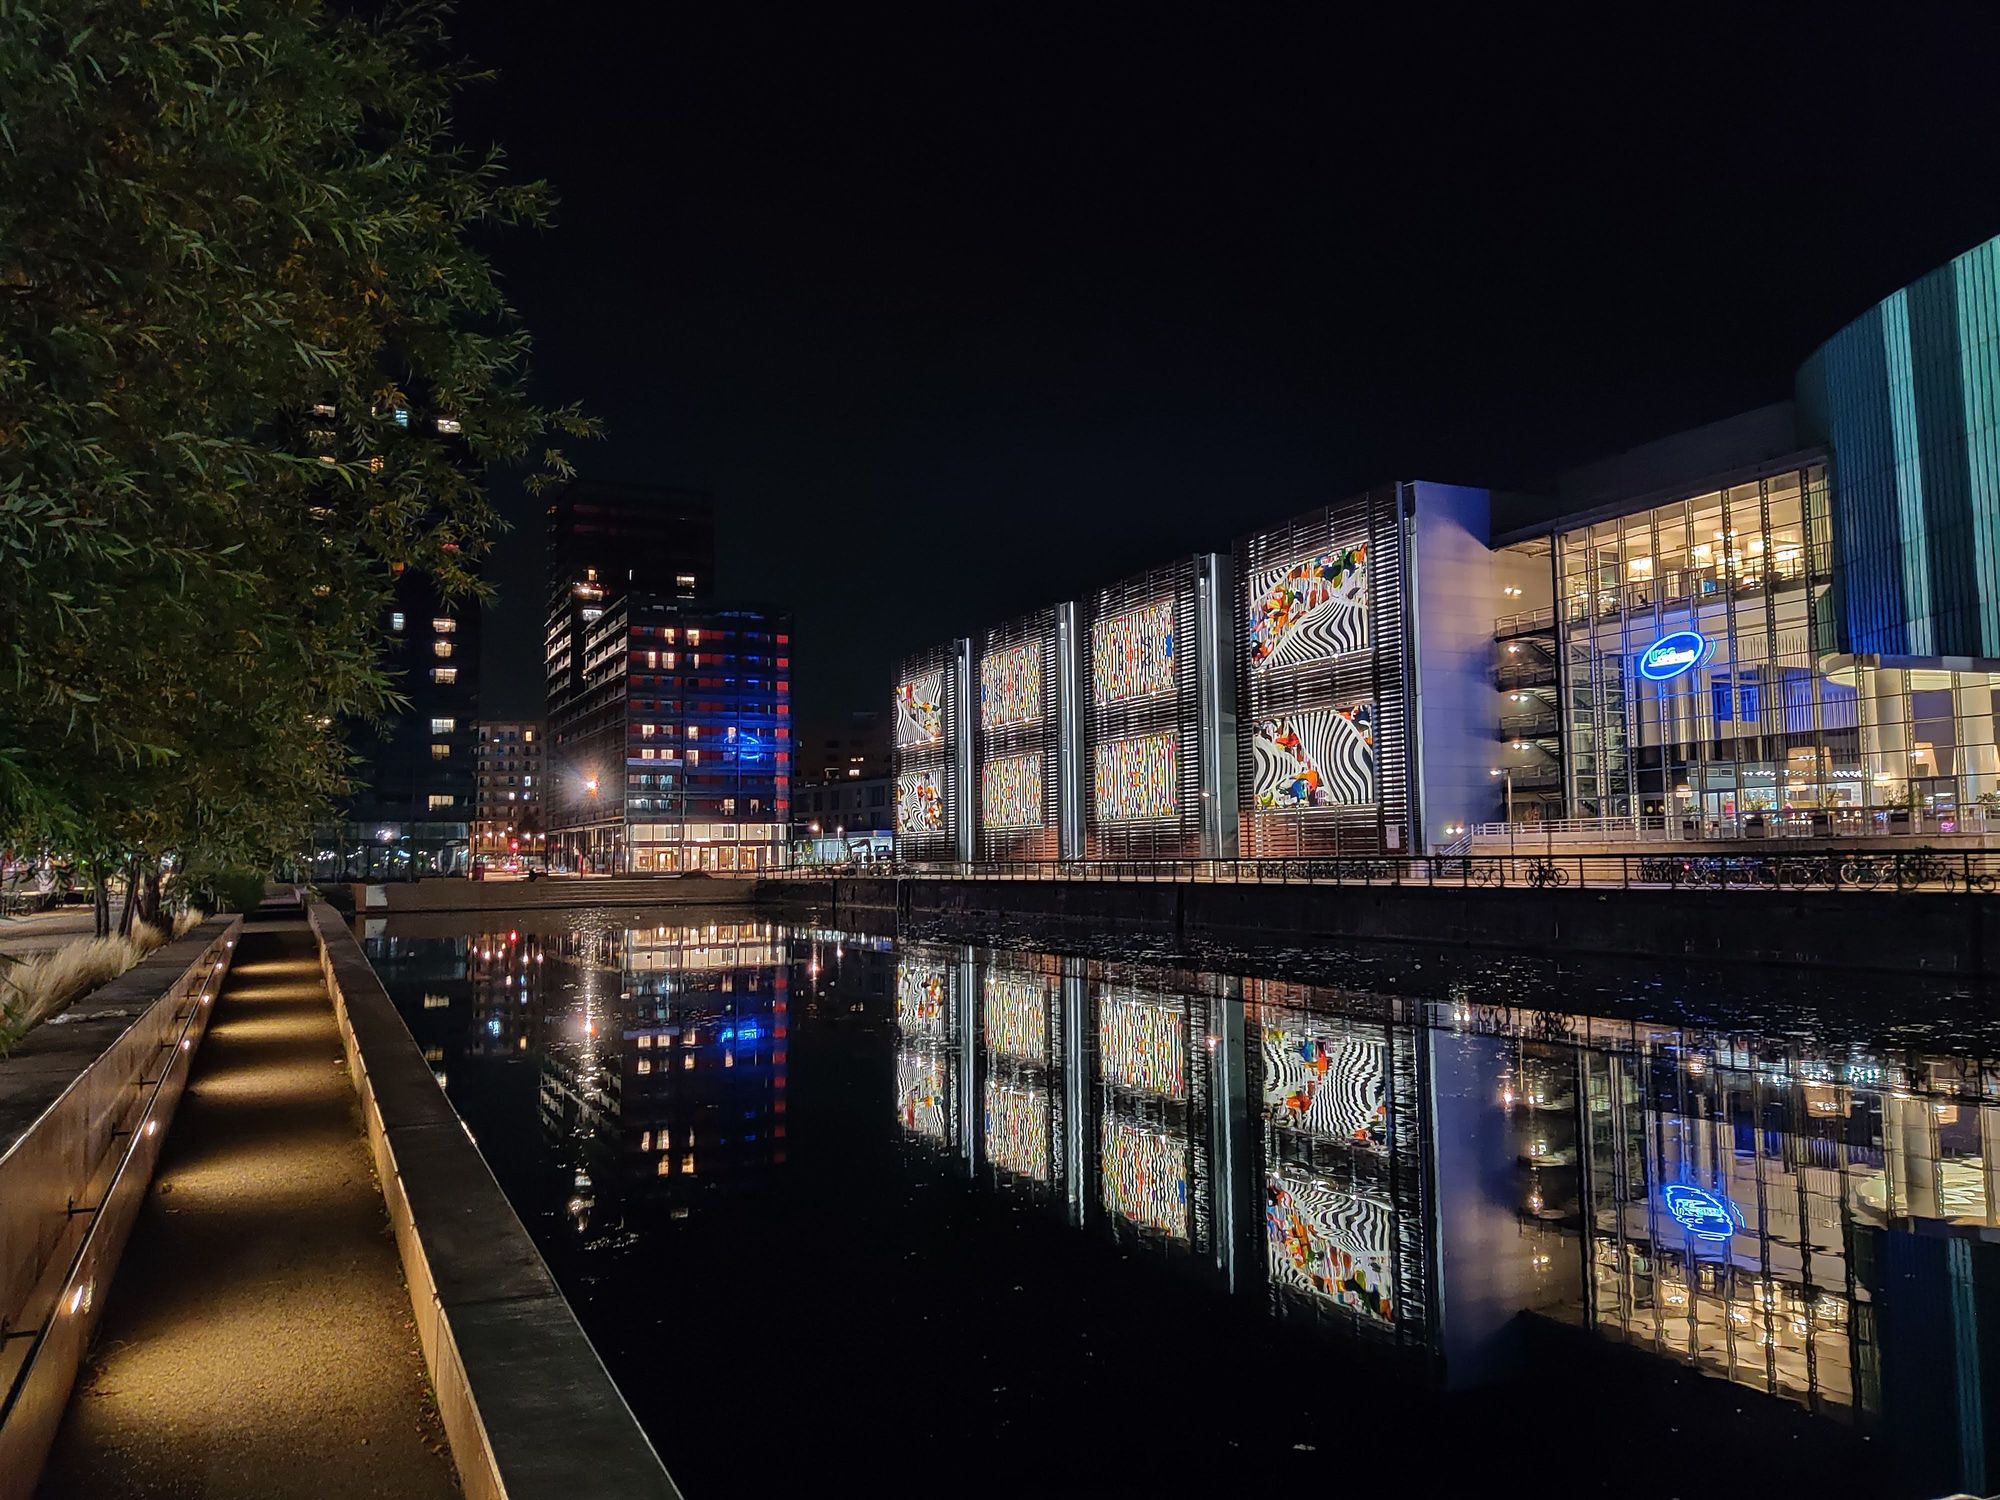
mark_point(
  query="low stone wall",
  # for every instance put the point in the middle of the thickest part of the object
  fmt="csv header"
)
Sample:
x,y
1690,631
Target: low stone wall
x,y
528,1407
556,891
1877,930
86,1101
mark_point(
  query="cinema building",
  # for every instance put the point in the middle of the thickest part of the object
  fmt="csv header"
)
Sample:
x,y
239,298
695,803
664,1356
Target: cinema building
x,y
1783,624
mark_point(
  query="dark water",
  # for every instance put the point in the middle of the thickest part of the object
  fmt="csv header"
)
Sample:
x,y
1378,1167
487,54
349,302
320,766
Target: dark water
x,y
968,1219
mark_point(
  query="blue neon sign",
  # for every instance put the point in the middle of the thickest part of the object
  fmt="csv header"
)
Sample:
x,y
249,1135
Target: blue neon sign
x,y
1674,654
1705,1215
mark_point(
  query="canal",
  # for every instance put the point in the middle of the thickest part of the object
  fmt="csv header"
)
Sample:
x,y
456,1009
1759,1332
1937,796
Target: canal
x,y
848,1209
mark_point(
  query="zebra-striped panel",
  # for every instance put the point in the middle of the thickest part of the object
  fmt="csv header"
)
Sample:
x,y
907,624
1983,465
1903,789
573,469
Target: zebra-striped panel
x,y
1326,1086
1318,758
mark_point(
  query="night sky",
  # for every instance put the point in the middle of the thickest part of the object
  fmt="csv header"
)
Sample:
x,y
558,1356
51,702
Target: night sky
x,y
959,310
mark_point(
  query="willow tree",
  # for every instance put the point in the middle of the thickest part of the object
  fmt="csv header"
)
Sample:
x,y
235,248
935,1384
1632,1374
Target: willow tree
x,y
237,248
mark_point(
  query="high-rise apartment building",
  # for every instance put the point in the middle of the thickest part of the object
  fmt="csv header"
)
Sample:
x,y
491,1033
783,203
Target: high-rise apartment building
x,y
669,716
508,811
605,540
675,752
411,812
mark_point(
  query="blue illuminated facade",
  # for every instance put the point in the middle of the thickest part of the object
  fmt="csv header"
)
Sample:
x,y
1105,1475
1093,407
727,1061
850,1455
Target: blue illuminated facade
x,y
1907,401
674,751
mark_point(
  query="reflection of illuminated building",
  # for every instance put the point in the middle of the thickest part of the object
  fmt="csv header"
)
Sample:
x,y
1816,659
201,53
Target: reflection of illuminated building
x,y
1335,1099
1153,1097
670,1067
1021,1032
927,1084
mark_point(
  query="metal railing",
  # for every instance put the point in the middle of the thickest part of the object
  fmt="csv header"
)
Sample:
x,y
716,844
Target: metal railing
x,y
1966,872
1524,620
1869,823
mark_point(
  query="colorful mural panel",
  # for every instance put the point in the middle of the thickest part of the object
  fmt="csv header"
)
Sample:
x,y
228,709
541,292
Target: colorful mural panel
x,y
919,805
1142,1045
1320,758
1015,1016
920,709
1334,1087
1132,655
1010,686
1010,791
923,1107
1145,1176
1017,1129
1138,778
1309,611
1329,1244
920,999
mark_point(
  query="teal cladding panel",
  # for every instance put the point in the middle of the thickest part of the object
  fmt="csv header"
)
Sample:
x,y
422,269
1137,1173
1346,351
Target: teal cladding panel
x,y
1907,400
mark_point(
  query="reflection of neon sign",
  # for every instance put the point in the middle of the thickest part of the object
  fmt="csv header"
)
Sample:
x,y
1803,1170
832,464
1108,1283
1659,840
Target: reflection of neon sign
x,y
1672,655
1705,1215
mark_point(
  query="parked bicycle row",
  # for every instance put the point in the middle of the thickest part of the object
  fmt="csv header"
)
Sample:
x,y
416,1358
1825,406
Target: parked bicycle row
x,y
1970,872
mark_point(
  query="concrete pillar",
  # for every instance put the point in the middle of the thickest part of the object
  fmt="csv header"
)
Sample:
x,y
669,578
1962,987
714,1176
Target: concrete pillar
x,y
1989,1159
1978,757
1885,733
1919,1152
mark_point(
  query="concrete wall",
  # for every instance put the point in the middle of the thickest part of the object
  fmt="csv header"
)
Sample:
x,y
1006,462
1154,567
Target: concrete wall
x,y
527,895
85,1107
529,1409
1456,700
1876,930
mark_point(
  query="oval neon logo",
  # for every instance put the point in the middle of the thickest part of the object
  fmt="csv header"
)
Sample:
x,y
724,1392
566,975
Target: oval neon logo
x,y
1705,1215
1672,655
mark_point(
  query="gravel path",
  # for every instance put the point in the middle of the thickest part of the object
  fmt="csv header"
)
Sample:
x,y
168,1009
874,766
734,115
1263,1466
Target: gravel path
x,y
259,1340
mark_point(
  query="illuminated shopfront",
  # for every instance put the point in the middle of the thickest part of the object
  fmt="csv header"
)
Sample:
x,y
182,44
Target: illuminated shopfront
x,y
1701,682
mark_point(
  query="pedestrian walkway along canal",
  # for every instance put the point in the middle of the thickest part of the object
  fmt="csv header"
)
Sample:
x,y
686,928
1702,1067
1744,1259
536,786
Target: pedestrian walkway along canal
x,y
842,1209
259,1339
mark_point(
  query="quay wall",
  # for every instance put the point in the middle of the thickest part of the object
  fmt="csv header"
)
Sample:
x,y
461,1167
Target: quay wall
x,y
86,1103
528,1408
1890,931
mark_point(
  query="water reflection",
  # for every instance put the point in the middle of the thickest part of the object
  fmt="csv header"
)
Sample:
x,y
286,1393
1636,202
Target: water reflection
x,y
1452,1184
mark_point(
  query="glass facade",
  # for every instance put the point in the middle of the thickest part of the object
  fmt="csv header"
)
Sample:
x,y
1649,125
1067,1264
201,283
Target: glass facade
x,y
1749,726
1703,688
676,753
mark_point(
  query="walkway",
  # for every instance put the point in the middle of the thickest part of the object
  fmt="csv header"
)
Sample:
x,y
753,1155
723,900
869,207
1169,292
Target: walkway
x,y
259,1340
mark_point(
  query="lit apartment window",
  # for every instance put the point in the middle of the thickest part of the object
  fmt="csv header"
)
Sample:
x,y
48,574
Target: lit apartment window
x,y
444,625
440,752
322,408
647,731
440,648
449,425
438,801
591,614
665,1168
510,796
528,735
444,726
402,417
527,781
445,676
693,756
685,580
694,637
396,620
647,752
694,731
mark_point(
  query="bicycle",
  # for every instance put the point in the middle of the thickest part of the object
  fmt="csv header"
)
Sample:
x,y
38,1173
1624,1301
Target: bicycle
x,y
1544,873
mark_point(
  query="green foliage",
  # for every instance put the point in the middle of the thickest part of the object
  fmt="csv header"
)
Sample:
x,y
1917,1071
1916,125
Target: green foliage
x,y
219,220
235,890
